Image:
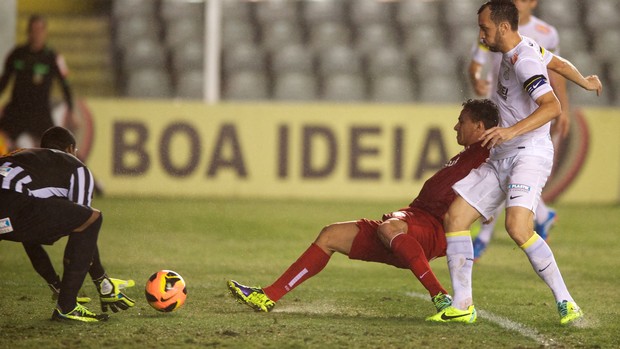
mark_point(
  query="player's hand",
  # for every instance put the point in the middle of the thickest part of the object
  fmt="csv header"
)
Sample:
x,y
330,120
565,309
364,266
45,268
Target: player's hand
x,y
496,136
594,84
116,302
111,296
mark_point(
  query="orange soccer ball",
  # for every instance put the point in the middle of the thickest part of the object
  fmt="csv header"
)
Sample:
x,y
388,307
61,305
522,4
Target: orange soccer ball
x,y
165,291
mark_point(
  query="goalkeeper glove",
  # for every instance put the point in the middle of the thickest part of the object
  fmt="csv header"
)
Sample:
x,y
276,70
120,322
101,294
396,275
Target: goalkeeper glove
x,y
111,296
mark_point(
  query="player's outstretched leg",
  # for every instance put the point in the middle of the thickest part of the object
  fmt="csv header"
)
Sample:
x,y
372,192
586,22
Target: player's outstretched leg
x,y
252,296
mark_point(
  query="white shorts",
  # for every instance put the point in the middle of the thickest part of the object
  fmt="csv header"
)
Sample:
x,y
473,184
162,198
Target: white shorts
x,y
517,180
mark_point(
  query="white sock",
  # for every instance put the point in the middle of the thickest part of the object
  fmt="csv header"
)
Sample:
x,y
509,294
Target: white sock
x,y
543,262
542,212
460,255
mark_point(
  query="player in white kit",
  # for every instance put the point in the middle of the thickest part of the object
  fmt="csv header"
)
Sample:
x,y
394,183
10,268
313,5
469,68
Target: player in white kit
x,y
546,36
519,164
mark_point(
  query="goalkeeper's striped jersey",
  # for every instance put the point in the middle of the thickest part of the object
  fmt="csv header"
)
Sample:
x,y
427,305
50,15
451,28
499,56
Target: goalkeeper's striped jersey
x,y
45,173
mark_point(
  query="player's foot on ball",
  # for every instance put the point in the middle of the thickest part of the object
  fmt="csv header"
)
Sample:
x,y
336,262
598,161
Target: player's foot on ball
x,y
543,229
452,314
569,312
79,313
252,296
441,301
479,247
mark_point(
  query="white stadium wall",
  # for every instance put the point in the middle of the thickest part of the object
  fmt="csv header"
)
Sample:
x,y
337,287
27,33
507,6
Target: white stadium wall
x,y
346,151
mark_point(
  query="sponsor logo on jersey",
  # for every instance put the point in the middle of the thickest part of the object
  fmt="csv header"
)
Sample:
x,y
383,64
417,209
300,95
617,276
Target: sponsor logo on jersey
x,y
534,83
519,187
502,91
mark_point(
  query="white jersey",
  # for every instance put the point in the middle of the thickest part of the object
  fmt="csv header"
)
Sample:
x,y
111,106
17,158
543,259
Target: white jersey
x,y
542,32
522,79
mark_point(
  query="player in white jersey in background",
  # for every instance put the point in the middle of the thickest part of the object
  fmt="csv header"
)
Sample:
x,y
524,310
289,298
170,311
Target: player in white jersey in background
x,y
546,36
519,164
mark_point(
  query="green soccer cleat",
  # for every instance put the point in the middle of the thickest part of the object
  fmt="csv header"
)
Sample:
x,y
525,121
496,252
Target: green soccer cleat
x,y
79,313
452,314
110,294
441,301
569,312
252,296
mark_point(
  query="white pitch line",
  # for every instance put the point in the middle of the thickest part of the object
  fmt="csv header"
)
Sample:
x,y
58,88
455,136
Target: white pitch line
x,y
501,321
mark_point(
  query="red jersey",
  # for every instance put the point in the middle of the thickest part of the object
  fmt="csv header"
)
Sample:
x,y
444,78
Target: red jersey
x,y
437,194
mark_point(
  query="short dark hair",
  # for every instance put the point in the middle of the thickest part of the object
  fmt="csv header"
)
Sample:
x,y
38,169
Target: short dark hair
x,y
57,137
482,110
35,18
503,11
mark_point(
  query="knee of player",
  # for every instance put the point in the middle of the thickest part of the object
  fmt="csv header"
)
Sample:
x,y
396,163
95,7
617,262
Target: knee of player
x,y
325,236
389,229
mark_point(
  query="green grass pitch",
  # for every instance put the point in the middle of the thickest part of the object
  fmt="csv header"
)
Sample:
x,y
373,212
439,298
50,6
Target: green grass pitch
x,y
351,304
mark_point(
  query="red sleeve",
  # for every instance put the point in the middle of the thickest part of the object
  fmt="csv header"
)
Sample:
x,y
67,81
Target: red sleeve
x,y
437,194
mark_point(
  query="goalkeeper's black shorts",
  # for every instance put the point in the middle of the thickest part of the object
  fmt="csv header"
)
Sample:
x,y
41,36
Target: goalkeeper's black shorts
x,y
28,219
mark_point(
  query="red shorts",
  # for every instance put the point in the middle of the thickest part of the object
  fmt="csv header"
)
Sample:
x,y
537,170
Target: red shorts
x,y
421,225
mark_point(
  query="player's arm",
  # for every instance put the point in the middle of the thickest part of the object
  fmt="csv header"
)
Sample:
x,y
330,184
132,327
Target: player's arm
x,y
7,72
62,72
565,68
480,85
562,122
548,109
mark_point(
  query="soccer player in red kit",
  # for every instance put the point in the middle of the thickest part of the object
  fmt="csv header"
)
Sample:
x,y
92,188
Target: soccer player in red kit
x,y
408,238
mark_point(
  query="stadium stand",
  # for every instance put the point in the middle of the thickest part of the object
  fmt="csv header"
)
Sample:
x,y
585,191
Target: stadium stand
x,y
357,45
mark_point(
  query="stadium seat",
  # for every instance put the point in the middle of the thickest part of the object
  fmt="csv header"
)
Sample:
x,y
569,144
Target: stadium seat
x,y
344,88
373,36
410,13
140,27
603,16
295,86
293,58
389,60
148,83
392,89
462,41
189,56
144,54
235,10
181,31
280,33
436,61
339,59
461,13
572,40
275,10
325,35
316,12
419,39
243,56
365,12
563,13
246,85
175,10
440,89
190,84
127,9
606,45
237,31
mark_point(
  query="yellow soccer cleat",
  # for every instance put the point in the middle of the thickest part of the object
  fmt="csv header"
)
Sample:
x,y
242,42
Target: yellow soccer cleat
x,y
569,312
252,296
452,314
